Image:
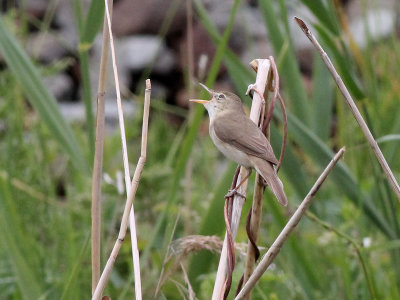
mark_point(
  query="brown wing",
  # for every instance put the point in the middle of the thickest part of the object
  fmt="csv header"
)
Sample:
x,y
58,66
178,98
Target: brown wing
x,y
239,131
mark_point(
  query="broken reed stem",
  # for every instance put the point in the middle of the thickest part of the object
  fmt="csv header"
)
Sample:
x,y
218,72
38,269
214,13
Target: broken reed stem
x,y
356,113
258,194
273,251
261,81
131,197
98,157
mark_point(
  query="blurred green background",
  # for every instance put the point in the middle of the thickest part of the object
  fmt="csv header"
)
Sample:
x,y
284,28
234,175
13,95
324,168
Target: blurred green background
x,y
350,249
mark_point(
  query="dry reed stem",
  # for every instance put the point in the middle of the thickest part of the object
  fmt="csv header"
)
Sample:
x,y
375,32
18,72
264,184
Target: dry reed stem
x,y
129,211
256,209
132,222
255,222
273,251
261,81
131,197
356,113
98,157
190,77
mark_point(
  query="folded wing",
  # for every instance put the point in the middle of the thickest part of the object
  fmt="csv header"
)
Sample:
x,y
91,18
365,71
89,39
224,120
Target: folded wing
x,y
244,135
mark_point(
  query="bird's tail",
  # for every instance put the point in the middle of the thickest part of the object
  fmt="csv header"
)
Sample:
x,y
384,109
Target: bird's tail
x,y
267,171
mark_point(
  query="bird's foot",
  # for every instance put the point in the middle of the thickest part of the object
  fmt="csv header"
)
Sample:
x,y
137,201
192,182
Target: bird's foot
x,y
234,192
252,87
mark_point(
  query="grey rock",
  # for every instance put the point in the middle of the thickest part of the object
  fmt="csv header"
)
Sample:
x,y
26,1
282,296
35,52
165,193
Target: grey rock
x,y
36,8
65,19
75,112
253,21
146,17
45,46
377,24
136,52
133,53
60,86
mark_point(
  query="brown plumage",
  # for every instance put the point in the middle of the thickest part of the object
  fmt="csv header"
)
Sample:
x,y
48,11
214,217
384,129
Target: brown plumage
x,y
236,136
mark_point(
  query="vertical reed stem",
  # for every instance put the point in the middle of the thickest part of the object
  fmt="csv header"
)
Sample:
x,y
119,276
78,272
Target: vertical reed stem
x,y
98,157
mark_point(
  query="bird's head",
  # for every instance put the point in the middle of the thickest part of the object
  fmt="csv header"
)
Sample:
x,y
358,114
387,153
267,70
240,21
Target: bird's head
x,y
220,102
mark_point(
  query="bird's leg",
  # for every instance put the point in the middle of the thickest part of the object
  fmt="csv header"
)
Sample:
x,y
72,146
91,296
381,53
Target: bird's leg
x,y
235,190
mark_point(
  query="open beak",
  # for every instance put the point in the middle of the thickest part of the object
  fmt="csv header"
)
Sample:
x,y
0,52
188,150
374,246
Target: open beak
x,y
199,101
203,101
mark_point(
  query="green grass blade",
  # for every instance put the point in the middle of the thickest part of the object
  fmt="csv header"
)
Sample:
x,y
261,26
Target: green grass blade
x,y
341,62
301,263
393,147
83,50
288,67
322,100
15,244
74,275
40,98
324,16
93,23
87,97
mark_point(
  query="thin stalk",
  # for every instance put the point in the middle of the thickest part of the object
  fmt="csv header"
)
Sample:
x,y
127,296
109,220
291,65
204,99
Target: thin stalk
x,y
131,197
98,158
276,246
356,113
255,221
261,81
189,83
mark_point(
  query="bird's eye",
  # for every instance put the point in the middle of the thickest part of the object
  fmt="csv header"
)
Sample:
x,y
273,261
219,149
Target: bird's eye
x,y
221,96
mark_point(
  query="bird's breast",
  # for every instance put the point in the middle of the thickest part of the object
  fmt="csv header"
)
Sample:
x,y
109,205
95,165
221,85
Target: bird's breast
x,y
230,151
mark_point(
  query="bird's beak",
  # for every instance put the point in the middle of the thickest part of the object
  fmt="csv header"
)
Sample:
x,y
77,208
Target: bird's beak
x,y
199,101
203,101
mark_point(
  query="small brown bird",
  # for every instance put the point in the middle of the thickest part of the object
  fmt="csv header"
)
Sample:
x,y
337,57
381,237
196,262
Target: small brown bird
x,y
239,138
